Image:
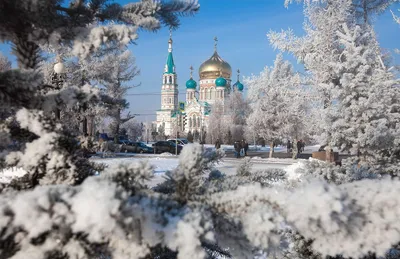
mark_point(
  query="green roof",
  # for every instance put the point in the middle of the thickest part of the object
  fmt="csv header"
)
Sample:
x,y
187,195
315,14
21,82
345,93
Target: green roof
x,y
191,84
239,86
170,63
220,82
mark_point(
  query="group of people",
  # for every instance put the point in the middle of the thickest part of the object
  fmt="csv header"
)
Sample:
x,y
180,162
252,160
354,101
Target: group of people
x,y
240,147
300,146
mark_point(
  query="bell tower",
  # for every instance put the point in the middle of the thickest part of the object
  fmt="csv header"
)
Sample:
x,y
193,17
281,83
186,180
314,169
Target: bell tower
x,y
169,90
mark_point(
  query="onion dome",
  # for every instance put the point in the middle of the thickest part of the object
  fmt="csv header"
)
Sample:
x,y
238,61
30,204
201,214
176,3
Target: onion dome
x,y
220,81
211,67
238,85
191,84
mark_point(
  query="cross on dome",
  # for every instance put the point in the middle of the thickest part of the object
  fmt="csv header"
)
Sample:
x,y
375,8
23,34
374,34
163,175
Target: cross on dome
x,y
191,71
215,43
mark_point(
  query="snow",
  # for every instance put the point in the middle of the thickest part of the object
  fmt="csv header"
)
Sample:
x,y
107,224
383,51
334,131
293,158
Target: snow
x,y
162,164
6,175
292,171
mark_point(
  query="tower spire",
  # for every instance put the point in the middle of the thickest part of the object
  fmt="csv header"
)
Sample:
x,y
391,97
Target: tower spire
x,y
170,40
215,43
170,66
191,72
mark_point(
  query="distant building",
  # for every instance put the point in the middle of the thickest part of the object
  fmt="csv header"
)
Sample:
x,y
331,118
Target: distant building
x,y
192,115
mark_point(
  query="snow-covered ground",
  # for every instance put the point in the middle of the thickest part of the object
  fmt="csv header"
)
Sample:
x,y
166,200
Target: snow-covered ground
x,y
167,162
228,166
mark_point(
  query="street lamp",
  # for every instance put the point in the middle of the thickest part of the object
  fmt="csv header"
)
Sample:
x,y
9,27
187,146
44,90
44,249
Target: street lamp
x,y
57,79
59,75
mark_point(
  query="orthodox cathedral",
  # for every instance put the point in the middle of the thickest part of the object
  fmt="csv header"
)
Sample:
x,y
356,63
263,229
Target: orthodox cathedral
x,y
192,115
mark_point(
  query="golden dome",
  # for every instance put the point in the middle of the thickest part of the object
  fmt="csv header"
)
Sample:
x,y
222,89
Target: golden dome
x,y
211,68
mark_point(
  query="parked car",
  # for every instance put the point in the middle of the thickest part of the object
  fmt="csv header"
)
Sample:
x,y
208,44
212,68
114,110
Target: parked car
x,y
181,141
166,146
135,147
142,148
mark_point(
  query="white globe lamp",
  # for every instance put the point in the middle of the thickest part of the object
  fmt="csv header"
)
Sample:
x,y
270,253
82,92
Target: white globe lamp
x,y
59,68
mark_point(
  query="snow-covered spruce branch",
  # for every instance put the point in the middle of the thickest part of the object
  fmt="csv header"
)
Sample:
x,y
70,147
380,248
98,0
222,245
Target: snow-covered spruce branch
x,y
55,162
345,219
131,222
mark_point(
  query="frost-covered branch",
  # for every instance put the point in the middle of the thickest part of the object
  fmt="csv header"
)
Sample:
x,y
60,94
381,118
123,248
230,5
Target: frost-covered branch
x,y
396,18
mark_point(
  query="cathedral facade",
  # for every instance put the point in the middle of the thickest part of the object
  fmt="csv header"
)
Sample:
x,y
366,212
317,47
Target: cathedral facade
x,y
192,114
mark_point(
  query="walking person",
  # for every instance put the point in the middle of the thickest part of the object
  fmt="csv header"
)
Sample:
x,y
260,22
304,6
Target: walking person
x,y
217,144
288,146
246,147
237,148
299,145
303,145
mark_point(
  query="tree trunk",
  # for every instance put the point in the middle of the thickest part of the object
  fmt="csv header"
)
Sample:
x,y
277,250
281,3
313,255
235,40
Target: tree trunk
x,y
271,149
84,126
294,149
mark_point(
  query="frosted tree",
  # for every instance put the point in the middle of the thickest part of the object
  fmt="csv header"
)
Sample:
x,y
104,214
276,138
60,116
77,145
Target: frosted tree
x,y
217,122
277,106
122,70
134,130
319,49
58,24
237,107
5,64
366,9
366,115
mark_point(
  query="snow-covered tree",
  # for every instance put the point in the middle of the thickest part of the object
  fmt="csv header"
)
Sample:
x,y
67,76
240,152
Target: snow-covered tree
x,y
84,26
366,116
122,69
319,49
237,108
217,123
134,130
278,105
5,64
366,9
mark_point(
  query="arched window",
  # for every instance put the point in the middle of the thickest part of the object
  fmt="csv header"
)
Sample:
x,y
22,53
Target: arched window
x,y
170,100
209,94
170,79
198,122
190,122
194,121
165,100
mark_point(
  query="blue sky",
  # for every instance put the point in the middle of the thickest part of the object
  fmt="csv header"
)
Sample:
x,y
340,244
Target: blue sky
x,y
241,27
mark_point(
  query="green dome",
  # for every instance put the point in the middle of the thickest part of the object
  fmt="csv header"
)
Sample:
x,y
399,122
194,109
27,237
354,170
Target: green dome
x,y
191,84
220,82
239,86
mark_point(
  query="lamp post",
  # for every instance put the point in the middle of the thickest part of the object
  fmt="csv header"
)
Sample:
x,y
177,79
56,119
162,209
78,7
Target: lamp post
x,y
57,79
